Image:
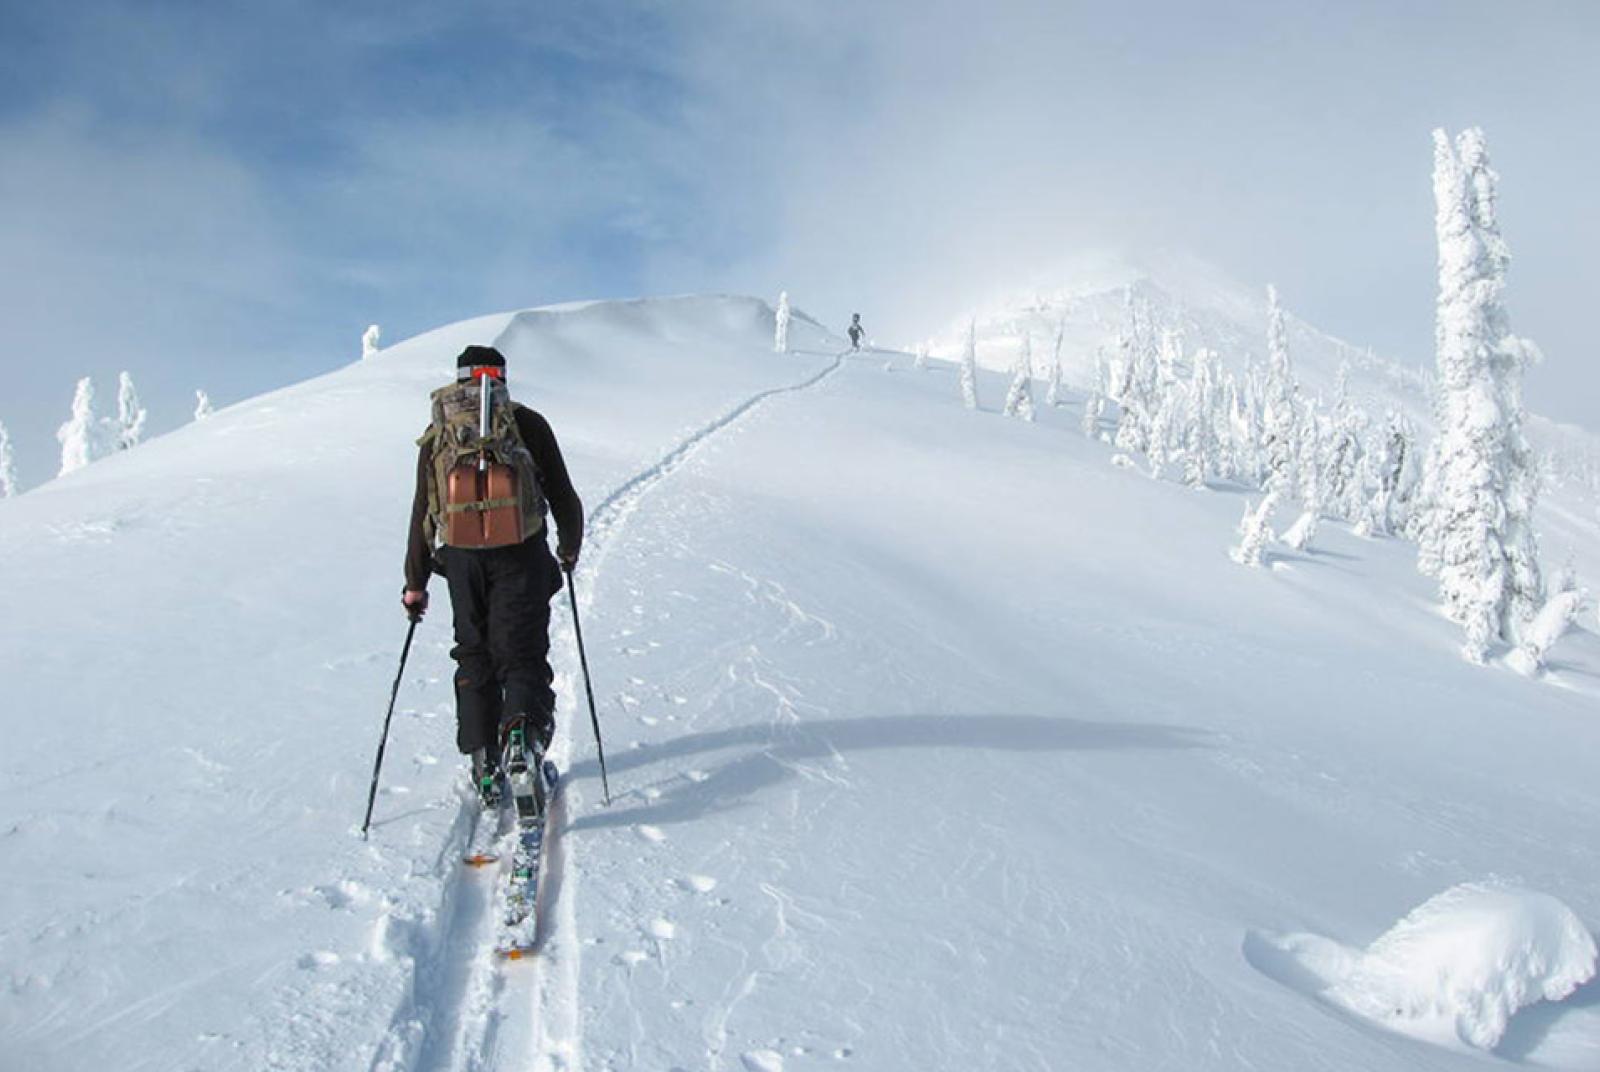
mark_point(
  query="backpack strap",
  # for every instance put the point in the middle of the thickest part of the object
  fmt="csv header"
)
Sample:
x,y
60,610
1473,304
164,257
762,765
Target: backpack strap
x,y
429,521
480,506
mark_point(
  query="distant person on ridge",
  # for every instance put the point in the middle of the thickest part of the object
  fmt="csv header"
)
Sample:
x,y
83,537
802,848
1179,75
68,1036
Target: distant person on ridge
x,y
856,331
486,469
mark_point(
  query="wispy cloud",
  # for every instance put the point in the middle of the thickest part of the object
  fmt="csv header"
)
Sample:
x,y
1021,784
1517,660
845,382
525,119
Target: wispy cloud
x,y
240,189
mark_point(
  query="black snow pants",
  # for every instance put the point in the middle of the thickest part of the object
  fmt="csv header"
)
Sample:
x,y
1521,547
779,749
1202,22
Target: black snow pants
x,y
500,601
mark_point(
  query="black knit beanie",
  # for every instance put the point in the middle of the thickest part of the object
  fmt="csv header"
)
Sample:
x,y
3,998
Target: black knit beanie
x,y
479,357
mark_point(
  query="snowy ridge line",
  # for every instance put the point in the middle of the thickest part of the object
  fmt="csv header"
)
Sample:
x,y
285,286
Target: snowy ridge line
x,y
555,971
611,511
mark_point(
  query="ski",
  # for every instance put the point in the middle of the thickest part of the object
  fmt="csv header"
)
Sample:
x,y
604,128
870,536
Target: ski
x,y
490,790
531,781
482,846
519,908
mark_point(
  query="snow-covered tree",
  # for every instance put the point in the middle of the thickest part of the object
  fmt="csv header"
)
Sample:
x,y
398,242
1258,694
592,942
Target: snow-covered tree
x,y
130,415
780,335
1481,479
1280,409
1255,531
969,366
1343,462
1308,468
1200,431
1162,447
1364,512
1052,391
1094,404
202,405
1245,425
1510,357
1540,634
921,360
369,342
1167,403
1300,534
84,437
1019,396
1127,380
1169,361
1399,474
8,466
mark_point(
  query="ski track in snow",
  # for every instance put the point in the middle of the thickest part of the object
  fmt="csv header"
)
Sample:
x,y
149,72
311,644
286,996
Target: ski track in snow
x,y
467,1012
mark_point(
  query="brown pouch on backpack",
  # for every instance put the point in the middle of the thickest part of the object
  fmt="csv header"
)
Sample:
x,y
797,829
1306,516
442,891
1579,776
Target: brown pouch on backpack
x,y
483,507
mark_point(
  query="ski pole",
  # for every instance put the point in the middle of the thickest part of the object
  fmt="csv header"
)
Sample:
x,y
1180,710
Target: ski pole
x,y
588,687
372,793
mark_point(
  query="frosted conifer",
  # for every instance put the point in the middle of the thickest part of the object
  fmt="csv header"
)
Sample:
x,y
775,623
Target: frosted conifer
x,y
1162,446
1233,434
921,361
1200,445
1255,531
1128,378
1509,358
1364,512
1308,466
369,342
780,335
202,406
82,438
1247,431
969,366
130,415
1344,460
1019,396
8,466
1482,480
1052,394
1095,403
1540,634
1279,408
1398,476
1169,356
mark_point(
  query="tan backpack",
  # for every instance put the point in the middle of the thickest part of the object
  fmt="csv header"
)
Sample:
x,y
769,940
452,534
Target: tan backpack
x,y
483,491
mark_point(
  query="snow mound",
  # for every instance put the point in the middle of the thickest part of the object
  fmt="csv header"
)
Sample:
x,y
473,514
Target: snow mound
x,y
1459,966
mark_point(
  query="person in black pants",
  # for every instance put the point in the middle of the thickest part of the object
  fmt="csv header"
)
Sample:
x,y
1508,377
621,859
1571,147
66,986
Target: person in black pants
x,y
499,596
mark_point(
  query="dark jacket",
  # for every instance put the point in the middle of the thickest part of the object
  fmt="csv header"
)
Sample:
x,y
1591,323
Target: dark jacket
x,y
565,507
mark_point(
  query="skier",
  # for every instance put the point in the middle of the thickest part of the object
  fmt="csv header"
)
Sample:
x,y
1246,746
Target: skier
x,y
477,517
856,331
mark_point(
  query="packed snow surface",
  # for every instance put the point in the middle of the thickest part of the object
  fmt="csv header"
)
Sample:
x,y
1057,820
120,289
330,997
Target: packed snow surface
x,y
936,741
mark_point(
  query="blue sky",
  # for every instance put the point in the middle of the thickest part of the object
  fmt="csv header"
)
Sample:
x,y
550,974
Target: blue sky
x,y
225,194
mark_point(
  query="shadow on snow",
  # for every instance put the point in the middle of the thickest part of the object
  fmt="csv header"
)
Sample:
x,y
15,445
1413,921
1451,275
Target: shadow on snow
x,y
779,747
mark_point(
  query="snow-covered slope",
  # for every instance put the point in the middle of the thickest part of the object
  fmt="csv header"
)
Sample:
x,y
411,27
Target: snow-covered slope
x,y
937,742
1087,300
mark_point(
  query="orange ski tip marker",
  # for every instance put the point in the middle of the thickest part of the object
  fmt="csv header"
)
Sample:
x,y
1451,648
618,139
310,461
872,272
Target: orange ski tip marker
x,y
516,952
480,860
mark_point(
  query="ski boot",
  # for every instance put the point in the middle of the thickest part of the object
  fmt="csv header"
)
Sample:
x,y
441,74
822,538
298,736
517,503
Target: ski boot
x,y
523,762
486,780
